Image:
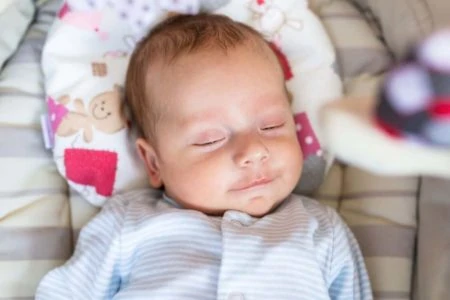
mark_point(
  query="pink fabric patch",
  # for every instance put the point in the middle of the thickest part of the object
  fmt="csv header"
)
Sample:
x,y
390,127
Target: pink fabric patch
x,y
92,168
307,138
56,113
63,11
88,20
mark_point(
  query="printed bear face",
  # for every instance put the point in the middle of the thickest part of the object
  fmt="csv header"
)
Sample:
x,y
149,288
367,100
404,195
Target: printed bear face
x,y
106,111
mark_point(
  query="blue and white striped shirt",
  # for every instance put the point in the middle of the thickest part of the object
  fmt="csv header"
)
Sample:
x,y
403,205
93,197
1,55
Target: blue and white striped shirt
x,y
142,246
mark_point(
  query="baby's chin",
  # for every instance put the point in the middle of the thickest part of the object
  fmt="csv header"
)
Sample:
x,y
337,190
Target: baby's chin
x,y
256,204
260,206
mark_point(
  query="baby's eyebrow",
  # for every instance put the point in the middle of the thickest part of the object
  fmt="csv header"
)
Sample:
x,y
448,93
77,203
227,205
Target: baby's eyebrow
x,y
192,127
198,119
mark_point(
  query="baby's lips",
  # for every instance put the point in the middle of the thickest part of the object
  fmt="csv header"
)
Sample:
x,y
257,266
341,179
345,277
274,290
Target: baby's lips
x,y
252,183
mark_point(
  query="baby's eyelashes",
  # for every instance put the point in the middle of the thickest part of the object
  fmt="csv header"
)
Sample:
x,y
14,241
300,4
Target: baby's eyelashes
x,y
209,138
273,129
209,142
272,126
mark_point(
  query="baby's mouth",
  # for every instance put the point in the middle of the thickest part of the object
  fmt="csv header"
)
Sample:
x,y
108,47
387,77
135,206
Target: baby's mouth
x,y
255,183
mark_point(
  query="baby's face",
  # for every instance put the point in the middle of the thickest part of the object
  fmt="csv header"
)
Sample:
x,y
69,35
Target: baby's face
x,y
227,138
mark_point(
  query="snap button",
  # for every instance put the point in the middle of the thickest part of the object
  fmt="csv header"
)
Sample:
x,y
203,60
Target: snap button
x,y
236,296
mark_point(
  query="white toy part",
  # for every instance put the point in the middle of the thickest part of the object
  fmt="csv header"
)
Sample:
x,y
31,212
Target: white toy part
x,y
268,18
351,134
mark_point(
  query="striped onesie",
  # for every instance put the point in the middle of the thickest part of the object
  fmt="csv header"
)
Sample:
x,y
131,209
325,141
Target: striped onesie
x,y
144,246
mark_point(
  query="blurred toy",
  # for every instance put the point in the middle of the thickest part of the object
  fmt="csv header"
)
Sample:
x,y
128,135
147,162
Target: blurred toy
x,y
414,102
405,129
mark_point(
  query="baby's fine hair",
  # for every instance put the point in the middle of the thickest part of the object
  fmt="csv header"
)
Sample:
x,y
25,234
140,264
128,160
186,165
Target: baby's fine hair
x,y
176,36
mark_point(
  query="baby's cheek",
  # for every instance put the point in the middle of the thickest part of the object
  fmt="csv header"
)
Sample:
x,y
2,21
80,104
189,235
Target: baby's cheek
x,y
197,184
214,174
292,158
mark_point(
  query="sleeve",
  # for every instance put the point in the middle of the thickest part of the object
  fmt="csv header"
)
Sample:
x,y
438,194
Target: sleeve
x,y
348,278
93,272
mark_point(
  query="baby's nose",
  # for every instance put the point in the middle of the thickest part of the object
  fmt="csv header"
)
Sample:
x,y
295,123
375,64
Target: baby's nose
x,y
251,150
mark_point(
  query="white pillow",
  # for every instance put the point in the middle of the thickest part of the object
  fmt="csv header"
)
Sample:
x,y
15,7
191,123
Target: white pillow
x,y
85,61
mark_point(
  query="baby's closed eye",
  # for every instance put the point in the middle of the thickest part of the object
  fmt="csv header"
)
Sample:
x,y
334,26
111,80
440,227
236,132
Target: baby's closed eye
x,y
208,138
208,142
273,126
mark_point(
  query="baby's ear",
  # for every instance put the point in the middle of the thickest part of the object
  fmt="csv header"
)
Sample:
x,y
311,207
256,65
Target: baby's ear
x,y
148,155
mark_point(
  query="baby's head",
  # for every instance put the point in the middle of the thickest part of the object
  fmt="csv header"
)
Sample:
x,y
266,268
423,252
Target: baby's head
x,y
209,98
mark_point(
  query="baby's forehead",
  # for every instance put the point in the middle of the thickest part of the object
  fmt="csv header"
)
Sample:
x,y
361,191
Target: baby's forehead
x,y
210,57
163,77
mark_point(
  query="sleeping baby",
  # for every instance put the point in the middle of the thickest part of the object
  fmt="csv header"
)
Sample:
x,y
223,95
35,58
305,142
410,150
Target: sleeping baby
x,y
219,144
